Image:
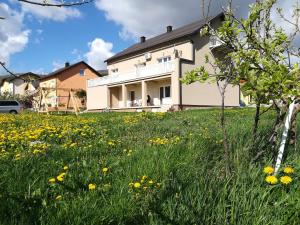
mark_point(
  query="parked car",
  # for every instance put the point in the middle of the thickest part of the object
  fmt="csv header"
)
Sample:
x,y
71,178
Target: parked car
x,y
10,106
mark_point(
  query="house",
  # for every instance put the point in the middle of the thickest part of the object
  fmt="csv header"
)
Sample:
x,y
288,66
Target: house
x,y
58,83
20,84
146,76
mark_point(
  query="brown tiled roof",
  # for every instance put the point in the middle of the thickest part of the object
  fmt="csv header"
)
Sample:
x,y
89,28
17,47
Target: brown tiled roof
x,y
56,72
181,32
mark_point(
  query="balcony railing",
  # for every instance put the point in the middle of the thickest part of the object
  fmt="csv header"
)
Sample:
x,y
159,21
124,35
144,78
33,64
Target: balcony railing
x,y
138,73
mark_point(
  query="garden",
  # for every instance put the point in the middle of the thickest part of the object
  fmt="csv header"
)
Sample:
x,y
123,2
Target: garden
x,y
142,168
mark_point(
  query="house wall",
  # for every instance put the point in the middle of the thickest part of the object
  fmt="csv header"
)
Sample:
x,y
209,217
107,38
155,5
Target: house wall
x,y
70,79
205,94
97,97
129,64
7,87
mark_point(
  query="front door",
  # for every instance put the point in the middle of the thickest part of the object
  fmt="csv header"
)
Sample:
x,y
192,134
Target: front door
x,y
132,97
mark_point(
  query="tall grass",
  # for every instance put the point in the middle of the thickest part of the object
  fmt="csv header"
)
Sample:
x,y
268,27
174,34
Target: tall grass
x,y
190,186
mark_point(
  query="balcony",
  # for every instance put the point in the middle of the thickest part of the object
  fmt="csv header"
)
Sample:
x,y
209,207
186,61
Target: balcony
x,y
137,74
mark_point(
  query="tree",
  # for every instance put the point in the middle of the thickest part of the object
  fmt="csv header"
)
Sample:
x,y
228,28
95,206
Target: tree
x,y
259,53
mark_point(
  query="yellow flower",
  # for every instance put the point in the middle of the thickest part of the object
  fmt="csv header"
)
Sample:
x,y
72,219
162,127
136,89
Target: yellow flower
x,y
51,180
92,186
268,170
271,180
137,185
61,177
286,180
66,167
288,170
105,169
58,197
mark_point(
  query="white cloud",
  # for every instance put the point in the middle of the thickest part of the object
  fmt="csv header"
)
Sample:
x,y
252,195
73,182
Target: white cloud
x,y
13,36
148,18
57,65
50,13
99,51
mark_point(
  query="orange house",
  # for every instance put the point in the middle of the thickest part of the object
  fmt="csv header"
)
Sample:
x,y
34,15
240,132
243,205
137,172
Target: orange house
x,y
73,76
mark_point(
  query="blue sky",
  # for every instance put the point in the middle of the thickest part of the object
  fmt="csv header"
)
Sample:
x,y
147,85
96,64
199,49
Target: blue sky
x,y
41,39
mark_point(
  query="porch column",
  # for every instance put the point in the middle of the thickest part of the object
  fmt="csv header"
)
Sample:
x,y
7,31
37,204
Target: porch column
x,y
144,93
175,84
124,95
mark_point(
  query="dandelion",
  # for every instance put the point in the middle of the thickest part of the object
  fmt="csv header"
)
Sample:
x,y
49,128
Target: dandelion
x,y
92,186
288,170
268,170
52,180
66,167
105,170
137,185
271,180
58,197
150,182
286,180
61,177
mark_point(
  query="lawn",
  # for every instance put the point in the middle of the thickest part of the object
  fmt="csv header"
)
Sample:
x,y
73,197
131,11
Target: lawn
x,y
142,168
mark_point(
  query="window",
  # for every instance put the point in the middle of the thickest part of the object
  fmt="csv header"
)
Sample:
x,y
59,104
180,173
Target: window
x,y
115,70
165,92
8,103
81,72
164,59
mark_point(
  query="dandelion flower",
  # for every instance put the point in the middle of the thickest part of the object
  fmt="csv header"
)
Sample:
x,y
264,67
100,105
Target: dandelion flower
x,y
288,170
58,197
66,167
105,169
92,186
51,180
150,182
268,170
137,185
271,180
286,180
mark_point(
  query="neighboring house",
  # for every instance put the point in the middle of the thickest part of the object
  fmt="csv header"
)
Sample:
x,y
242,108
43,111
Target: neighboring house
x,y
21,84
146,76
73,76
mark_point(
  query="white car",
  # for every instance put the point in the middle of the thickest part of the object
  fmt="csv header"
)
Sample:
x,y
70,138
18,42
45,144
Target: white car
x,y
10,106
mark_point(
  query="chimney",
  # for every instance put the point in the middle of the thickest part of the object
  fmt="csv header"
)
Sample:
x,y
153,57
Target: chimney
x,y
143,39
67,64
169,29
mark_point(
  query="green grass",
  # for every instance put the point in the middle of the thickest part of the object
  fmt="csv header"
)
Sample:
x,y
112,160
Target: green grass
x,y
186,166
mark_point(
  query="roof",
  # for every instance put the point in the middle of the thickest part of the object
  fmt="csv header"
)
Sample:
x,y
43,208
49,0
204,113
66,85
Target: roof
x,y
63,69
11,77
176,34
103,72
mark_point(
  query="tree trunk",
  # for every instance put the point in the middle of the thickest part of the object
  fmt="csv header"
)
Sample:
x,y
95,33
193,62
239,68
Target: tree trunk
x,y
256,121
225,137
292,135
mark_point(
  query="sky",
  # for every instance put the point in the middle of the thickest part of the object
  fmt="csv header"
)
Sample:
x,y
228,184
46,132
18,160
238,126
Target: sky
x,y
41,39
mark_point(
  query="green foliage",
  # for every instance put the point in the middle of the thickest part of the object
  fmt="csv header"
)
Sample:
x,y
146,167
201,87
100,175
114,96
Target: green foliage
x,y
181,153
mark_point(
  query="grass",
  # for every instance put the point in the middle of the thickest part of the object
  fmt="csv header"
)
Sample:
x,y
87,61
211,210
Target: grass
x,y
176,158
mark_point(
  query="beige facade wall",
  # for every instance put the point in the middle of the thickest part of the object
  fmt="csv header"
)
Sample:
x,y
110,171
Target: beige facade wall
x,y
205,94
97,98
185,50
16,87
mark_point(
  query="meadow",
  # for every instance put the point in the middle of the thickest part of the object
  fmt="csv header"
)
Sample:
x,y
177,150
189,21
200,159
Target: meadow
x,y
140,168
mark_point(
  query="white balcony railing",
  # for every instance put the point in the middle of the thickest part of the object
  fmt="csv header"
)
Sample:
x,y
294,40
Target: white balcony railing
x,y
139,73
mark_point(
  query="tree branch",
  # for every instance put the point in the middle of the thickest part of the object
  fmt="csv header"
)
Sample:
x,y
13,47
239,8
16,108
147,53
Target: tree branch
x,y
45,3
9,72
